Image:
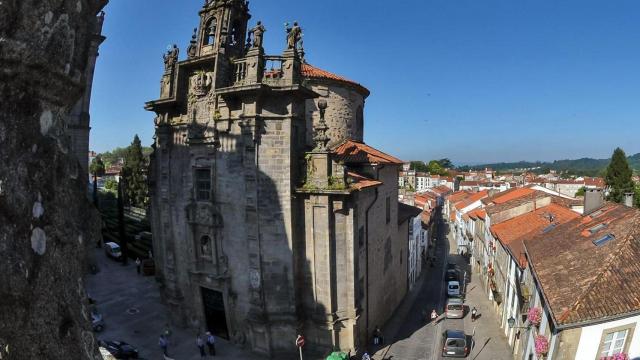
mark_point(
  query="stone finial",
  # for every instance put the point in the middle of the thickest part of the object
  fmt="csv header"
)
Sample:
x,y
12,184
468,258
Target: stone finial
x,y
321,139
191,50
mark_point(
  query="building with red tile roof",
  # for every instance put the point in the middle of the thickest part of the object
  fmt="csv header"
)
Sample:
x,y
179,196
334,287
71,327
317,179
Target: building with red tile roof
x,y
354,152
586,273
511,233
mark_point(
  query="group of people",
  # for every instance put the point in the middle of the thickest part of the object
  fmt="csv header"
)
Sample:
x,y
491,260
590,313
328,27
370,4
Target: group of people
x,y
208,341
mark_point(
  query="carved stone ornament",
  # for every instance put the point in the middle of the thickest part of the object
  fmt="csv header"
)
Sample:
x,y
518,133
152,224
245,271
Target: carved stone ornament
x,y
201,83
254,278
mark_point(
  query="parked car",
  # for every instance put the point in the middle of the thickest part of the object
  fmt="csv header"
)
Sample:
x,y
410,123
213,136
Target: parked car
x,y
453,289
97,321
454,308
451,266
454,344
113,250
119,349
452,275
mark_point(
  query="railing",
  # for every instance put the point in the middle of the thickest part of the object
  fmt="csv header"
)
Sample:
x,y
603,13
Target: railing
x,y
239,71
272,71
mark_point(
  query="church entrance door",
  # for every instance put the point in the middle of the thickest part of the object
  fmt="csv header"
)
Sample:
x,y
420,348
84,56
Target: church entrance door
x,y
214,313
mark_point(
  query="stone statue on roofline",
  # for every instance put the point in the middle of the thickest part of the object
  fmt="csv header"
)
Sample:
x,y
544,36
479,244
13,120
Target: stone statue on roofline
x,y
294,35
258,34
171,58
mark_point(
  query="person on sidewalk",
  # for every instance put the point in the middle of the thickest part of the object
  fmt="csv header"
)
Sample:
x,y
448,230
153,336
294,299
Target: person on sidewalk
x,y
474,314
200,345
377,336
366,356
138,263
211,343
164,345
434,316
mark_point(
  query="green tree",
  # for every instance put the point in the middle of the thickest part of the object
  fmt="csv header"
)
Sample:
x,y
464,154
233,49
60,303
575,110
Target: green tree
x,y
618,176
419,166
435,168
581,191
134,173
637,195
445,163
111,185
97,170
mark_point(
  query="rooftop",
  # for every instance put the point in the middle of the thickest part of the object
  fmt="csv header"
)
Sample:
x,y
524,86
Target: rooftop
x,y
312,72
405,212
511,233
593,272
355,152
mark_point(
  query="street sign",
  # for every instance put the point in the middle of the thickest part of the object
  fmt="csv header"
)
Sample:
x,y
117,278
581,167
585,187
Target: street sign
x,y
300,341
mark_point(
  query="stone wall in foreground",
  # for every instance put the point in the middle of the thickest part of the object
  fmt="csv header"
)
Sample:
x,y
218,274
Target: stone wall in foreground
x,y
45,220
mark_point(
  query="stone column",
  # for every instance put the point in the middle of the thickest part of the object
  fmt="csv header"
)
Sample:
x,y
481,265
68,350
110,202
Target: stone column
x,y
46,220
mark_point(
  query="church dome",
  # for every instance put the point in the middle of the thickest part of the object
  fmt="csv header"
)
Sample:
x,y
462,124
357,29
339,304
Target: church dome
x,y
345,98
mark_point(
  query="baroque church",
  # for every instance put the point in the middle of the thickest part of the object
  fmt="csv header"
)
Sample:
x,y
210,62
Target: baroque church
x,y
271,217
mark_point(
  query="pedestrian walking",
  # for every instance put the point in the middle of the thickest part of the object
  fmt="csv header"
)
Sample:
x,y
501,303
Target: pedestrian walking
x,y
434,316
200,345
474,314
138,263
211,343
377,336
164,345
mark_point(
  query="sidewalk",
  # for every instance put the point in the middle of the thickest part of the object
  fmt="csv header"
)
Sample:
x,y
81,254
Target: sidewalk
x,y
133,313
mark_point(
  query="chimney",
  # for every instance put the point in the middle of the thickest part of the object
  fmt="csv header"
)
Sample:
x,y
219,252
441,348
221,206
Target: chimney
x,y
628,199
593,200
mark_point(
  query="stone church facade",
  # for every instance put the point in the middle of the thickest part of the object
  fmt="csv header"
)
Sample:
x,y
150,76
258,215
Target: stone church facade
x,y
271,217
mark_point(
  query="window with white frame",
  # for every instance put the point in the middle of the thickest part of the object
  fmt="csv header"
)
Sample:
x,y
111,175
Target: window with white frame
x,y
613,342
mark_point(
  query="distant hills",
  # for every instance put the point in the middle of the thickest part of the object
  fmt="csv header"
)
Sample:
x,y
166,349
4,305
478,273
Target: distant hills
x,y
584,166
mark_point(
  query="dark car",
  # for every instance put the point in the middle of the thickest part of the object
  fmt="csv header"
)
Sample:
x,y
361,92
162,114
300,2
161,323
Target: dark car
x,y
452,275
120,349
451,266
454,344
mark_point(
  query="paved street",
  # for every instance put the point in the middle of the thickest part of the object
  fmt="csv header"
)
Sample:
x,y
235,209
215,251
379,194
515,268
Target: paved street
x,y
133,313
411,336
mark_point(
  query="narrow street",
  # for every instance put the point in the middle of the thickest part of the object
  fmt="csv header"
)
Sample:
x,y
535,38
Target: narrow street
x,y
410,335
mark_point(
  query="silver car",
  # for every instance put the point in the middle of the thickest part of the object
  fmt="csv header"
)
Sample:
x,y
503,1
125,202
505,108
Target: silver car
x,y
454,308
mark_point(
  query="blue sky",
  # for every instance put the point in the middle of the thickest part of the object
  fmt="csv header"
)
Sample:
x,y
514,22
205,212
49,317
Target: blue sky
x,y
466,79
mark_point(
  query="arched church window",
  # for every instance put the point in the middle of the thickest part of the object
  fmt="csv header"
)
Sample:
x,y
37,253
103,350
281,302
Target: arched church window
x,y
210,31
205,246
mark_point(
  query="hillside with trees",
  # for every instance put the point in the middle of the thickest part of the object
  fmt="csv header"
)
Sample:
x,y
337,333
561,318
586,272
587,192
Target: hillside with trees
x,y
583,166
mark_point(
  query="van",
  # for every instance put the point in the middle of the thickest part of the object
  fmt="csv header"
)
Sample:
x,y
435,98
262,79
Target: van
x,y
453,289
112,250
454,308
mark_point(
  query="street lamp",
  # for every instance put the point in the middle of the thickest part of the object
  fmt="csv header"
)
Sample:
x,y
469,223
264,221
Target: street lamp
x,y
511,321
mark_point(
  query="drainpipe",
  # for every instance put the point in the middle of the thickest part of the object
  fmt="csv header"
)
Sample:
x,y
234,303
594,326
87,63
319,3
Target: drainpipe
x,y
366,270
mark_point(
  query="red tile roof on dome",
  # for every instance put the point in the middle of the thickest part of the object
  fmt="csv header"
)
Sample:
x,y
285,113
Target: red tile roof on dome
x,y
352,151
312,72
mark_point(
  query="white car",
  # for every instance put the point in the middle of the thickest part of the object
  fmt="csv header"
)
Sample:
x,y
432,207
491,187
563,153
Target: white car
x,y
453,289
113,250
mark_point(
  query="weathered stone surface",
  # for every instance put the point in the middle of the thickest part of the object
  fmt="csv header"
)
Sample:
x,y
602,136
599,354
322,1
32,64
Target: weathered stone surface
x,y
43,208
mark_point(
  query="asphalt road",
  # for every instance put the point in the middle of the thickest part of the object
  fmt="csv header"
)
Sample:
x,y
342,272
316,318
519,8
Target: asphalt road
x,y
419,338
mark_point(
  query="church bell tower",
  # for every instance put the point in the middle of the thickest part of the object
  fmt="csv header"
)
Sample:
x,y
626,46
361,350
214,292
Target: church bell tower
x,y
222,29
